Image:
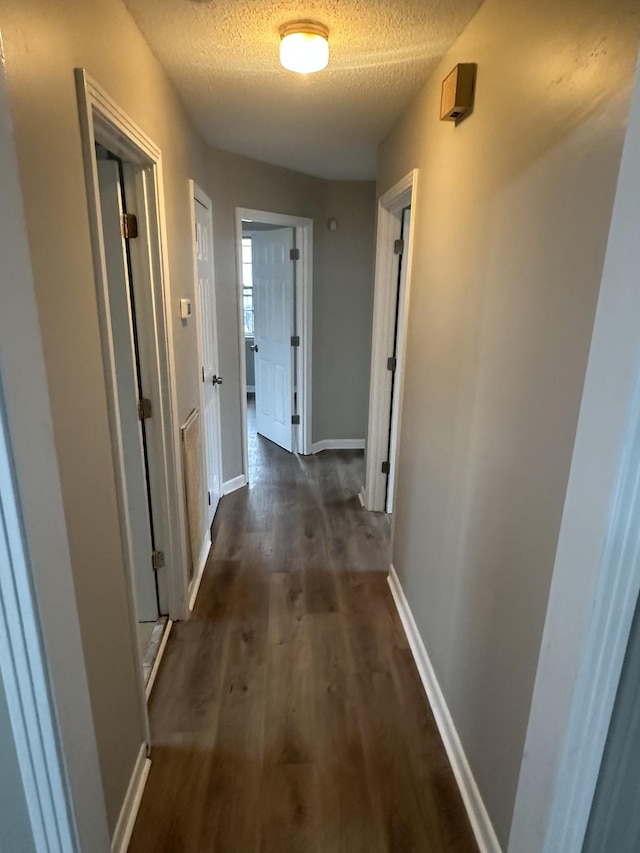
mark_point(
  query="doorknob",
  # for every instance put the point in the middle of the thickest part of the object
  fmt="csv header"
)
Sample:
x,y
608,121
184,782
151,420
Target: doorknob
x,y
254,347
216,380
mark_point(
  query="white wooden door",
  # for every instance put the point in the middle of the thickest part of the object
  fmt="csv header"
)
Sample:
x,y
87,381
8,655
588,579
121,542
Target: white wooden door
x,y
122,325
273,305
211,378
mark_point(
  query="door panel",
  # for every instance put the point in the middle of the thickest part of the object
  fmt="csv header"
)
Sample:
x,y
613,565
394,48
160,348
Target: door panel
x,y
273,294
209,353
122,323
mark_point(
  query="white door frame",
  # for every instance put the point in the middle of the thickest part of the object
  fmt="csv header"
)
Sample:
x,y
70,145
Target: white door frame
x,y
41,655
389,227
102,121
23,670
304,322
198,195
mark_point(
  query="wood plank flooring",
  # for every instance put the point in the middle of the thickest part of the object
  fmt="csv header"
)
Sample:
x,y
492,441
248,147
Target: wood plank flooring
x,y
288,715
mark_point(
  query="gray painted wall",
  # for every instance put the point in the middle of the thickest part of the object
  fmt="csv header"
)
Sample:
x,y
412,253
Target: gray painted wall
x,y
103,39
592,491
343,311
343,288
512,217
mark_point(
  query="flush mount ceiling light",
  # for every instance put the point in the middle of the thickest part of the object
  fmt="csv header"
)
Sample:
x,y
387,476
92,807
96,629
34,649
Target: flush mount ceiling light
x,y
304,46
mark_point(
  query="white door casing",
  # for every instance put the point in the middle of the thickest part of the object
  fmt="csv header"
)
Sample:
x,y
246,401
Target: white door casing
x,y
208,342
127,390
273,301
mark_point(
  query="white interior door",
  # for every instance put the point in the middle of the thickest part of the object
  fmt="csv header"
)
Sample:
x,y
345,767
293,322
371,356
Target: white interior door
x,y
128,394
211,378
273,305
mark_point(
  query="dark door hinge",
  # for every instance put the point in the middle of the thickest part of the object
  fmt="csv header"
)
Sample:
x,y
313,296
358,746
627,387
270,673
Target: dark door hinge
x,y
144,409
295,420
398,247
129,222
294,254
392,363
295,340
157,560
386,468
209,496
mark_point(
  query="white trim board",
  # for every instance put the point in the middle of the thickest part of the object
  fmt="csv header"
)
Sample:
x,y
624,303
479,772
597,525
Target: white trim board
x,y
23,669
304,323
234,484
132,800
606,639
478,816
338,444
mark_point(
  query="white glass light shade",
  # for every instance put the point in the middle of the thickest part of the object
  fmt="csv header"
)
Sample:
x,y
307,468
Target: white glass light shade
x,y
304,47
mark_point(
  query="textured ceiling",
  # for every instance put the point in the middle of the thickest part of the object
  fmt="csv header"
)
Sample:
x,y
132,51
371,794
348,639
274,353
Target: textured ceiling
x,y
223,57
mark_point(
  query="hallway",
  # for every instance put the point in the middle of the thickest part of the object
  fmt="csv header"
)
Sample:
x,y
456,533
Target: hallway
x,y
288,714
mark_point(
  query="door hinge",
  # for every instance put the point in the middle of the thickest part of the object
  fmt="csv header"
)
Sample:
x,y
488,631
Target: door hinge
x,y
392,363
144,409
294,254
129,222
398,247
295,420
295,340
157,560
386,468
203,372
209,496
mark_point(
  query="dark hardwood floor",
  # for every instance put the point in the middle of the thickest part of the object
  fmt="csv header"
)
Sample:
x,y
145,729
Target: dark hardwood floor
x,y
288,716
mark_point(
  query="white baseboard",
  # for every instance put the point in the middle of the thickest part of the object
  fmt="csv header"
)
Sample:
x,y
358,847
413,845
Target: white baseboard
x,y
478,816
129,811
338,444
158,659
197,579
234,485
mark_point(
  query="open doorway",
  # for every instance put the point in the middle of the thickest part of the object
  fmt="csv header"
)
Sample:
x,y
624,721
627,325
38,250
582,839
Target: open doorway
x,y
123,171
274,262
390,316
134,408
